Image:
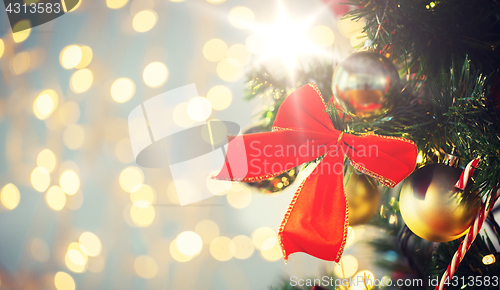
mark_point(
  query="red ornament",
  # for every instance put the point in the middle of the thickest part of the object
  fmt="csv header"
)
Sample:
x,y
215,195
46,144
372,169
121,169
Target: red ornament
x,y
317,218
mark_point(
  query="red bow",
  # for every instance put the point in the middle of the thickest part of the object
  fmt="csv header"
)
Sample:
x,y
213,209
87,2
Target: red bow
x,y
316,220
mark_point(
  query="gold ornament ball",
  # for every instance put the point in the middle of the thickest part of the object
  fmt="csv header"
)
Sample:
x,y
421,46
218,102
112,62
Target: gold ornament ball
x,y
433,208
365,84
363,197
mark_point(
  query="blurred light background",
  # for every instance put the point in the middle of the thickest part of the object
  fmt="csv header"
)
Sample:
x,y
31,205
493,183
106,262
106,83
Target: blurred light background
x,y
75,209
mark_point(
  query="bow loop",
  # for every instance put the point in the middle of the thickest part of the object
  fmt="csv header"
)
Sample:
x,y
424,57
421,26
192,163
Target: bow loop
x,y
316,220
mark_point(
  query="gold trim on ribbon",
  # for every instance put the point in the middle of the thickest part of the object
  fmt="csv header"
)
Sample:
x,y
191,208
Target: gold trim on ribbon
x,y
385,181
287,215
346,224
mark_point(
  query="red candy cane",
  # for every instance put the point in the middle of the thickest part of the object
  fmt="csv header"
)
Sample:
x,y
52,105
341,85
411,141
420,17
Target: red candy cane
x,y
473,230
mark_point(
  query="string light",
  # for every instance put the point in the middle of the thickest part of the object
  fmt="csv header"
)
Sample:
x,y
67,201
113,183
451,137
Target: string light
x,y
489,259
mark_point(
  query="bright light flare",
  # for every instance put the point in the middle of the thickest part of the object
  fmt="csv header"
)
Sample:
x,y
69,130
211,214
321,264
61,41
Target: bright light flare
x,y
287,39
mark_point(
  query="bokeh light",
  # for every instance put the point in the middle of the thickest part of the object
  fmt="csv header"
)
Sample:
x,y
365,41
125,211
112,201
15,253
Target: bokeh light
x,y
21,63
73,136
40,179
220,96
244,247
155,74
347,266
181,116
75,259
90,244
241,17
122,90
271,250
144,20
23,29
46,159
262,234
222,248
215,49
45,104
10,196
239,199
189,243
69,113
145,267
208,230
55,198
2,47
69,182
216,2
116,4
199,109
322,36
143,192
177,255
87,55
40,250
142,213
81,80
72,9
123,151
131,178
70,56
63,281
229,71
238,55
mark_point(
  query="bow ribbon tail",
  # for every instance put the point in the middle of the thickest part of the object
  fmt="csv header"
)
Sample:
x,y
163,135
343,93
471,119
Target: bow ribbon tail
x,y
317,218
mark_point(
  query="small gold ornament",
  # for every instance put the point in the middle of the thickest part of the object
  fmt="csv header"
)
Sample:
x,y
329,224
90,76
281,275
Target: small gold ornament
x,y
275,184
363,196
433,208
365,84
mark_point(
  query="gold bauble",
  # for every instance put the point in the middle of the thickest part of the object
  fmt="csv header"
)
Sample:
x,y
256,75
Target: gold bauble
x,y
365,84
363,197
433,208
274,184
